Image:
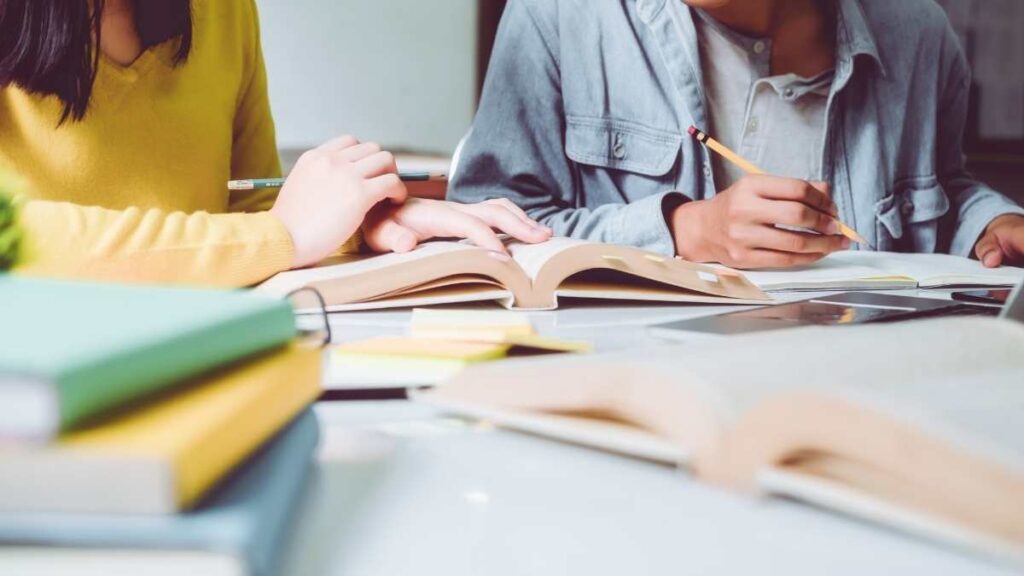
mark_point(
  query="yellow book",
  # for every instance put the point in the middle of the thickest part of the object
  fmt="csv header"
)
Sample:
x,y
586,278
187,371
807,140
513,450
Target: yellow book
x,y
164,456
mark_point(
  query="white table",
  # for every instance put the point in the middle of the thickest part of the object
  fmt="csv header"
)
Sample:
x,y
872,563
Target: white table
x,y
402,489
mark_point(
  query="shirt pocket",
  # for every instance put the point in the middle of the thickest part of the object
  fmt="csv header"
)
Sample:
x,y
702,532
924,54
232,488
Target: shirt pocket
x,y
637,159
908,219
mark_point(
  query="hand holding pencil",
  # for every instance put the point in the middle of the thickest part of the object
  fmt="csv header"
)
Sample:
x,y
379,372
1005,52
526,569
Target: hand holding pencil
x,y
756,223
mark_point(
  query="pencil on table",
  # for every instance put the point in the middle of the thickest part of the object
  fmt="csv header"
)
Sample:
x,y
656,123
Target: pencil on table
x,y
750,168
257,184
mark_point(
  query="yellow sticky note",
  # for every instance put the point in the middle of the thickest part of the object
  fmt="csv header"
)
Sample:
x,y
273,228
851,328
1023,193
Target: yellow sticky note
x,y
411,347
460,324
550,344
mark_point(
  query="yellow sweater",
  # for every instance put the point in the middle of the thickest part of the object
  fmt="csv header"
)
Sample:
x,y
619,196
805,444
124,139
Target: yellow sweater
x,y
136,191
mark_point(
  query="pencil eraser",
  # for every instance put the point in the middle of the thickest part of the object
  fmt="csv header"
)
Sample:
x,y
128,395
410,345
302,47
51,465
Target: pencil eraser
x,y
692,130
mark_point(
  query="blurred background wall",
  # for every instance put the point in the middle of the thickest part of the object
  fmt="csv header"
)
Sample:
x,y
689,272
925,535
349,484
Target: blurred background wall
x,y
992,33
401,72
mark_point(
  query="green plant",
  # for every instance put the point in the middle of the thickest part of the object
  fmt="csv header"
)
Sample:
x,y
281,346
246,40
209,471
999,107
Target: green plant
x,y
10,235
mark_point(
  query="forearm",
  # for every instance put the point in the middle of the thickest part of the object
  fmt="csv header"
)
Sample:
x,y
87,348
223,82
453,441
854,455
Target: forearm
x,y
65,240
641,224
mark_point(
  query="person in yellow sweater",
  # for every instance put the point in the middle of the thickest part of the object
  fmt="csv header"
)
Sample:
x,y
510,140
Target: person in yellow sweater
x,y
123,120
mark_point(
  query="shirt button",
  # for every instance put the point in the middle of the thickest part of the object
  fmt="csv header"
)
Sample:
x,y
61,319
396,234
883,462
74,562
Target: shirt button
x,y
619,149
789,93
753,125
707,171
907,209
759,47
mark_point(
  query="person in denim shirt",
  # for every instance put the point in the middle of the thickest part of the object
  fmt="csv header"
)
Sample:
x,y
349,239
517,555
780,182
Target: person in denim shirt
x,y
584,117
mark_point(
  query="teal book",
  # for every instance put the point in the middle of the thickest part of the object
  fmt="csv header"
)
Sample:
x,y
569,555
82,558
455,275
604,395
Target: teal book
x,y
71,351
238,530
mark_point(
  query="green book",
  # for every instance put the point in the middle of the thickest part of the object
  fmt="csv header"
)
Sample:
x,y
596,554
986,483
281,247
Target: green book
x,y
71,351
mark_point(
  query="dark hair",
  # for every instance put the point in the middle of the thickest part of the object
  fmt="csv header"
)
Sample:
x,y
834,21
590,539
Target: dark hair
x,y
51,47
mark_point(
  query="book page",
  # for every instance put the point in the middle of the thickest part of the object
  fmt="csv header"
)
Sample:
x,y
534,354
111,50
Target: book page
x,y
845,499
883,364
457,293
612,392
940,457
979,411
345,266
884,360
532,257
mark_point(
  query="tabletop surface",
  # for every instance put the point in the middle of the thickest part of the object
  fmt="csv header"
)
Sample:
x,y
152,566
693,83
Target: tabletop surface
x,y
403,489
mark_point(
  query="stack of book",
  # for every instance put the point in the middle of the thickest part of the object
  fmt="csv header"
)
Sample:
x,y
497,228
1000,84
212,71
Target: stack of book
x,y
149,430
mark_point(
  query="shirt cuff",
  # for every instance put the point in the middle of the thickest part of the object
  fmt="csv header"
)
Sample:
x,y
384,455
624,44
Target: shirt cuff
x,y
355,245
278,249
644,223
977,220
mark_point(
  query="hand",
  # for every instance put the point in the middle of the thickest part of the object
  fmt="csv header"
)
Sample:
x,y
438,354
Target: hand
x,y
738,226
329,193
1002,243
402,228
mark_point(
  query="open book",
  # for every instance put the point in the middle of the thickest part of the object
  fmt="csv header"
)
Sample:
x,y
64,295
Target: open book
x,y
537,276
916,425
864,270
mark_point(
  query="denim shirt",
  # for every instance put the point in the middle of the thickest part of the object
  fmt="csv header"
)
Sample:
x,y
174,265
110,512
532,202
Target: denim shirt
x,y
584,115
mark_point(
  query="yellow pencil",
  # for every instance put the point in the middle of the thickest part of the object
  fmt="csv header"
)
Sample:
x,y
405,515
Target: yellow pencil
x,y
749,168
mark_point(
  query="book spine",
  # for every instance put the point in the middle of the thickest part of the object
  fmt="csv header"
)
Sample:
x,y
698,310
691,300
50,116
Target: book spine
x,y
263,551
285,383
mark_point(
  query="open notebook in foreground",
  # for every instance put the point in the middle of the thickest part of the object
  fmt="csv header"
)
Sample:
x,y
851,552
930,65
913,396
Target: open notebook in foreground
x,y
915,425
864,270
538,275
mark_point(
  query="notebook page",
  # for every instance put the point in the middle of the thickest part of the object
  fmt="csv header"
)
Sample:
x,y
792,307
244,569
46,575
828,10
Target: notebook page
x,y
835,272
532,257
937,270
